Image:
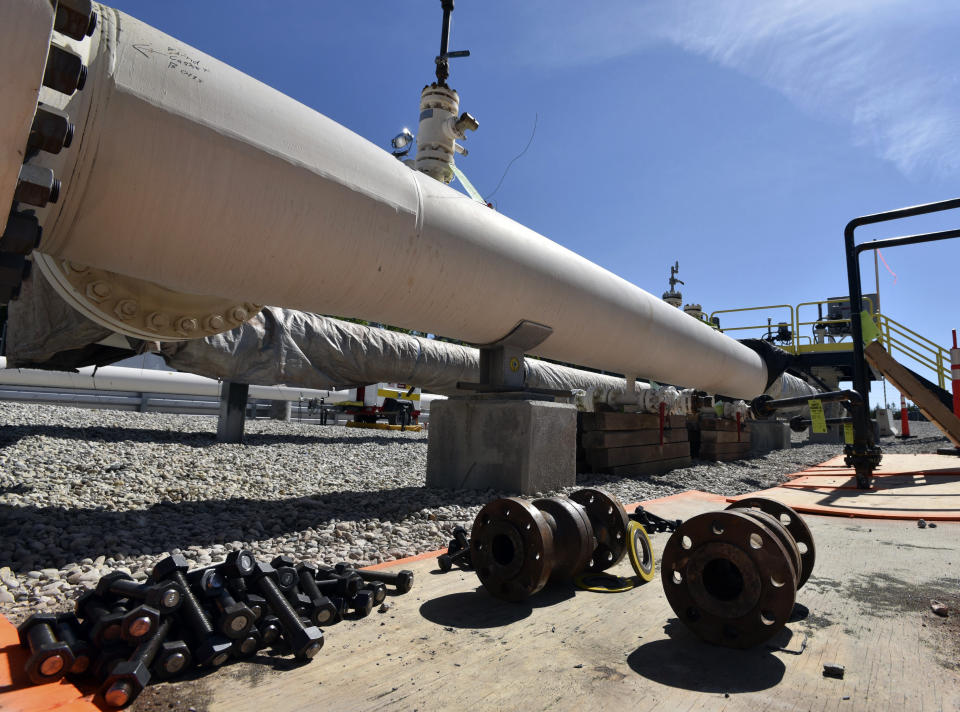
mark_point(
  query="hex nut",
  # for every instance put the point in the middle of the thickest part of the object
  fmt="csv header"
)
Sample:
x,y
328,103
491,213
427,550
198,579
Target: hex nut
x,y
238,564
172,659
168,566
141,622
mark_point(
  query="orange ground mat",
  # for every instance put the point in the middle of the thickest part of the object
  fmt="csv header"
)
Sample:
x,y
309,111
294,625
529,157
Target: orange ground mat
x,y
904,487
18,694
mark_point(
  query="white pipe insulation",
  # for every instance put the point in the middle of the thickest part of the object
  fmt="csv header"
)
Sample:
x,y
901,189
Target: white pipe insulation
x,y
188,174
147,380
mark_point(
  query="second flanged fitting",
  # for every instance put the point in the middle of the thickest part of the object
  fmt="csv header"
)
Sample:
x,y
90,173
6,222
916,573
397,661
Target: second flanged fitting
x,y
732,576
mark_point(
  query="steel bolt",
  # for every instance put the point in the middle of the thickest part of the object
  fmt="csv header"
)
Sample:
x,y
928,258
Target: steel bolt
x,y
128,678
212,649
50,658
305,642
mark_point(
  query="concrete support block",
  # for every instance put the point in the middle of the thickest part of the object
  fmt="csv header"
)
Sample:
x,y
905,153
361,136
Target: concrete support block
x,y
233,404
767,435
523,446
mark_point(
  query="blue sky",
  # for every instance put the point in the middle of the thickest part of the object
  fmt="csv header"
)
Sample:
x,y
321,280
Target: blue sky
x,y
735,136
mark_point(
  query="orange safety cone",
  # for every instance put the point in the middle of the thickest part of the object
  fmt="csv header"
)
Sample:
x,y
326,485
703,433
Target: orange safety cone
x,y
904,420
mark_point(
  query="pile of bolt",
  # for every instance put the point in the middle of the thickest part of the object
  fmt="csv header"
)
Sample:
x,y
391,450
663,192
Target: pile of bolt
x,y
732,576
125,633
516,546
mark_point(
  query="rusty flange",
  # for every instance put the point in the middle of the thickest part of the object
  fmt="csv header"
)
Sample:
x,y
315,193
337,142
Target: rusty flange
x,y
729,578
573,539
610,524
782,534
512,548
794,524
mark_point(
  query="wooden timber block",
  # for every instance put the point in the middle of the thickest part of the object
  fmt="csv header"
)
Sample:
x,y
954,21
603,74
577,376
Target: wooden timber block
x,y
596,439
629,421
642,469
724,436
722,424
614,457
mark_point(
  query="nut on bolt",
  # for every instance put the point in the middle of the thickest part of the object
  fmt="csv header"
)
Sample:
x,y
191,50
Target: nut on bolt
x,y
172,659
65,72
36,185
68,630
304,641
51,130
139,623
50,658
210,647
166,597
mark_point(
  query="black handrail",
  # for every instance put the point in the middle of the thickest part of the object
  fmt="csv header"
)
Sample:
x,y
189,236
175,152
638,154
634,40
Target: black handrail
x,y
864,455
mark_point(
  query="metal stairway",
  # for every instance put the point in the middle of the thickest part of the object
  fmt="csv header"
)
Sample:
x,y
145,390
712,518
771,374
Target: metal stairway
x,y
929,398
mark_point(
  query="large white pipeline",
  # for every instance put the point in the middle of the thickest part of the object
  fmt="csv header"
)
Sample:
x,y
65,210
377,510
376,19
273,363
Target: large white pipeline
x,y
188,174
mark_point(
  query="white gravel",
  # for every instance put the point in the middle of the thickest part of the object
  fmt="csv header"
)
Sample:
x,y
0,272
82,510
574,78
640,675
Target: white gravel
x,y
83,492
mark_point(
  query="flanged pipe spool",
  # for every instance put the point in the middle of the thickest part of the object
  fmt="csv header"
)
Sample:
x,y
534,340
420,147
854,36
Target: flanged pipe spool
x,y
518,545
732,576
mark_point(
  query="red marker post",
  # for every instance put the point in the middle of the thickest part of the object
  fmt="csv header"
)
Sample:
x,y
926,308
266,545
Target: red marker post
x,y
904,420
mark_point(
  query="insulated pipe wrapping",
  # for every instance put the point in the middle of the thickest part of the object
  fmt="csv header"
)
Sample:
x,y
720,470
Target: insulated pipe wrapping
x,y
194,176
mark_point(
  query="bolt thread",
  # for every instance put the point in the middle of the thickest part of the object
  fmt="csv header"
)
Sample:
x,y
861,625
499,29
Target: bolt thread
x,y
288,617
191,608
147,650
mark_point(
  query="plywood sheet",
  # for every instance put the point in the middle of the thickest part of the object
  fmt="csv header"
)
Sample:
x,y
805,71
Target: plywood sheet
x,y
904,487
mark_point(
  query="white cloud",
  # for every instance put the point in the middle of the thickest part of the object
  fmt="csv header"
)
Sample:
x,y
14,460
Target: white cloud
x,y
885,67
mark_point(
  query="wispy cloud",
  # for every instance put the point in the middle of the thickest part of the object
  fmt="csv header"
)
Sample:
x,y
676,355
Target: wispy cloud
x,y
888,68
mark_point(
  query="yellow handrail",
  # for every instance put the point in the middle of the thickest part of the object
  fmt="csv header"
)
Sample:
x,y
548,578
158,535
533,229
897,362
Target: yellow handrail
x,y
899,336
893,335
791,347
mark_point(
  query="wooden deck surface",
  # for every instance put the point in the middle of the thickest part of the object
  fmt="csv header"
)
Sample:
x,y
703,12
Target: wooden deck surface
x,y
904,487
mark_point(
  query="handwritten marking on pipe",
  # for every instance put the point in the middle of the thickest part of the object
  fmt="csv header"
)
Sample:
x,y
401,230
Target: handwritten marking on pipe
x,y
818,420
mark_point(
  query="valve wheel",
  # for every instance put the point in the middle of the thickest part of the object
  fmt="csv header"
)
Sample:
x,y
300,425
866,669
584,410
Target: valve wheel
x,y
511,547
729,578
794,524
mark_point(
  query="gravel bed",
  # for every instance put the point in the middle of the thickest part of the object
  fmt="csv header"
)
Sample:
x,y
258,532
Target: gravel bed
x,y
83,492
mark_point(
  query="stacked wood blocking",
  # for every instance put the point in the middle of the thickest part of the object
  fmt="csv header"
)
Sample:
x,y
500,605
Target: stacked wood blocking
x,y
720,439
630,443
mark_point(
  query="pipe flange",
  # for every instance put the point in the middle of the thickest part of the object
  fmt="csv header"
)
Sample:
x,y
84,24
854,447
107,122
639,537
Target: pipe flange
x,y
794,524
773,524
728,578
610,525
511,548
573,537
138,308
